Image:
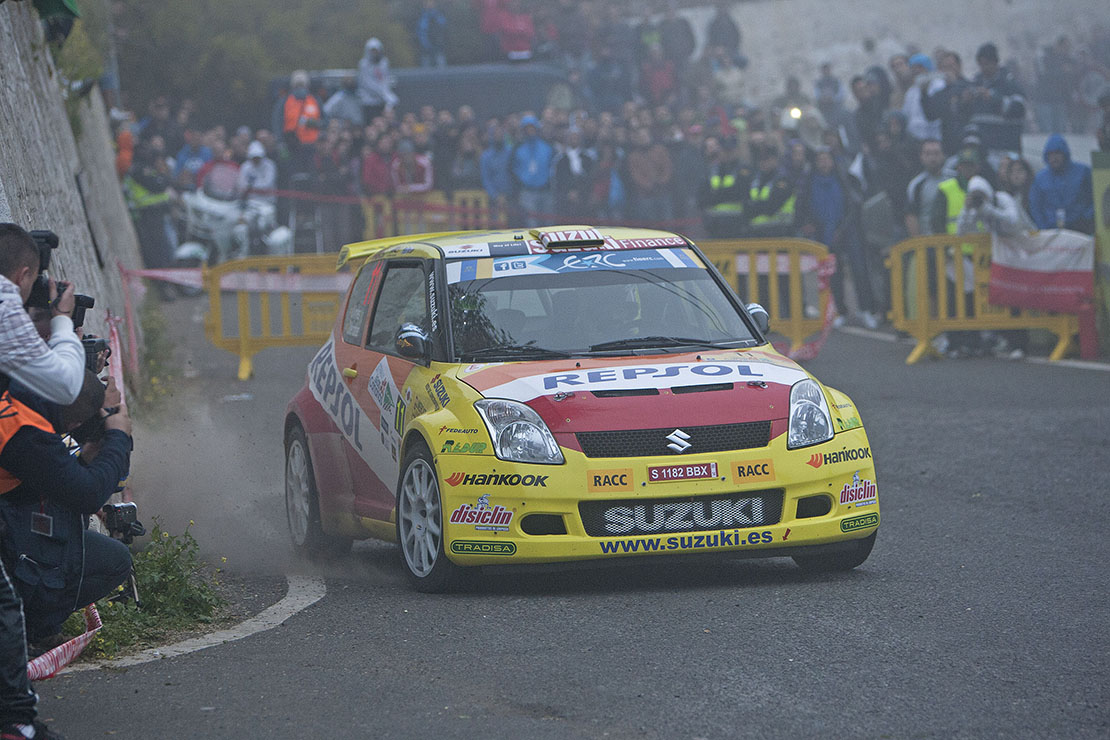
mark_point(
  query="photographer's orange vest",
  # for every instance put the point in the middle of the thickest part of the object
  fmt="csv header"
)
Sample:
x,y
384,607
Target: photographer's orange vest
x,y
14,415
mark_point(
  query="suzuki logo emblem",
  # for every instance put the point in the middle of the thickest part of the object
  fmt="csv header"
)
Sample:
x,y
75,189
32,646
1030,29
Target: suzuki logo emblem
x,y
678,440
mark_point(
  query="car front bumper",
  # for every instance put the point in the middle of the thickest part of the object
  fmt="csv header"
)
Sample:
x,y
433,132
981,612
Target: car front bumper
x,y
590,508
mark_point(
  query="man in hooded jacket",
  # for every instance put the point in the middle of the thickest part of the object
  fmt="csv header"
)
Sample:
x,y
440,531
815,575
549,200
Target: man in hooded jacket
x,y
1062,194
375,87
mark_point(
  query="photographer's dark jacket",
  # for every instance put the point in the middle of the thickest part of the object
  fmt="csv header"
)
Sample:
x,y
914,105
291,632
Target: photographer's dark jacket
x,y
39,478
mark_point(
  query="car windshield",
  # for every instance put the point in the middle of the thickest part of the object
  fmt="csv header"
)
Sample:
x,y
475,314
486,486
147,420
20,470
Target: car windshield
x,y
618,302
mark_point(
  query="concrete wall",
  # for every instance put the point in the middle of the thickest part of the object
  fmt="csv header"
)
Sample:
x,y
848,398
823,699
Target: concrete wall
x,y
41,164
783,37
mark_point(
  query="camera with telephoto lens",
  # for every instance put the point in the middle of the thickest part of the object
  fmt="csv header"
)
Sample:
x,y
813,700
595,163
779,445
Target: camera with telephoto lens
x,y
120,521
81,303
94,345
47,242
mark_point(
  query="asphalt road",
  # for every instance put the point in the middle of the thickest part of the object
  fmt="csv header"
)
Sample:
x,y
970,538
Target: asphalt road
x,y
981,613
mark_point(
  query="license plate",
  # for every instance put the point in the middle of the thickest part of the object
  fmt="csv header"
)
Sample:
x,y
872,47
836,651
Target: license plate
x,y
688,471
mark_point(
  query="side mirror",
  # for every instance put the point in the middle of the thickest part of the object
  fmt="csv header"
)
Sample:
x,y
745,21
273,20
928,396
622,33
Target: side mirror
x,y
412,342
759,315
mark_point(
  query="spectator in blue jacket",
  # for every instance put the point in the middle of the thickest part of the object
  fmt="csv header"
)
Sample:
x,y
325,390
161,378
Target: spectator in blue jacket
x,y
530,167
431,35
494,166
1062,189
189,161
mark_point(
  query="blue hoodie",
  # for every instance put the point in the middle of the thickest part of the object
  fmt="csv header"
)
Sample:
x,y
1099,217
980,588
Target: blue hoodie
x,y
1070,190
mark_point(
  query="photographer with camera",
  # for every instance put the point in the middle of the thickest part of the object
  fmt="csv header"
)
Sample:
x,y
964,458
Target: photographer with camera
x,y
52,369
46,495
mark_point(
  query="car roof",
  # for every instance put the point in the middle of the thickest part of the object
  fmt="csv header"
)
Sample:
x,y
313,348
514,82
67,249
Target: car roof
x,y
510,242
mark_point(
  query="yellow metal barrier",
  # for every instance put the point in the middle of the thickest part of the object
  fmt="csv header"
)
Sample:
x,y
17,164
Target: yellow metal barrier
x,y
377,213
471,211
418,214
308,291
467,210
928,299
785,263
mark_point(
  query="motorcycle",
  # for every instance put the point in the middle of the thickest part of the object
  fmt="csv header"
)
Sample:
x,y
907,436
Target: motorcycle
x,y
222,224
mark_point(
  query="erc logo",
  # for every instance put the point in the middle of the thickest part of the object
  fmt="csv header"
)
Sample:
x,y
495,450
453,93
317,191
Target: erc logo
x,y
816,460
600,481
753,470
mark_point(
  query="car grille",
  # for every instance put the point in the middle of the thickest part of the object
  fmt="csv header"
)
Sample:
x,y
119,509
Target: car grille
x,y
681,514
651,442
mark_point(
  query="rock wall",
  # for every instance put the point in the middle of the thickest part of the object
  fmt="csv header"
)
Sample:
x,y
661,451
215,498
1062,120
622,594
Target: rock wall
x,y
50,180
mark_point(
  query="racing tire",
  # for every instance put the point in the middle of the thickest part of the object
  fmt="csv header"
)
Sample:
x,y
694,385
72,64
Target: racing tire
x,y
837,561
420,530
302,503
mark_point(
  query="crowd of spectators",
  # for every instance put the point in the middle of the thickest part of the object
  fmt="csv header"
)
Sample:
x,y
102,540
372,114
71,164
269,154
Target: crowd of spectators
x,y
655,132
65,445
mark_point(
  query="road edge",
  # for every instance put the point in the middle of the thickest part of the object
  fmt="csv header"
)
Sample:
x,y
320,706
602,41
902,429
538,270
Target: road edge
x,y
301,593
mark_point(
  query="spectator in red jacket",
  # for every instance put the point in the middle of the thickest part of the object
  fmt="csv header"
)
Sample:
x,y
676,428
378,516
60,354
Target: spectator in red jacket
x,y
658,80
412,172
516,31
375,171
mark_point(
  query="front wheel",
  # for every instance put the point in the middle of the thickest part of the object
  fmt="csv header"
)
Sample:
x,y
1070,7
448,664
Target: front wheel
x,y
838,561
420,524
302,504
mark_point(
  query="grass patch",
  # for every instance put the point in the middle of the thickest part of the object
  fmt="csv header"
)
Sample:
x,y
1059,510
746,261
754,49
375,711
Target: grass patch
x,y
177,592
158,371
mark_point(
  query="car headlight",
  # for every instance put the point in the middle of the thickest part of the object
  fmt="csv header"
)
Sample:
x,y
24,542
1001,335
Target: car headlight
x,y
810,421
518,432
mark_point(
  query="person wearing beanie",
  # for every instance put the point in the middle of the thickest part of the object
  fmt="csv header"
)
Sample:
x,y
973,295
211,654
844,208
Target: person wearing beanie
x,y
375,85
258,173
988,211
925,82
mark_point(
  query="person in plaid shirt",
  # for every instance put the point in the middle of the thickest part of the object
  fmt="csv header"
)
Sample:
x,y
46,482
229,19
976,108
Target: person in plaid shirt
x,y
54,370
51,369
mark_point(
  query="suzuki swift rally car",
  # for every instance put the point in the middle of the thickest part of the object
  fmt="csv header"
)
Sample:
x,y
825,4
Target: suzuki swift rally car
x,y
561,395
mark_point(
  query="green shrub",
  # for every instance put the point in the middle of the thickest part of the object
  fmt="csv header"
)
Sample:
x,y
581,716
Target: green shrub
x,y
176,591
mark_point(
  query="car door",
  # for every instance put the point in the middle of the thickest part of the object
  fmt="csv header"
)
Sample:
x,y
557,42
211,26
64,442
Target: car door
x,y
329,373
401,298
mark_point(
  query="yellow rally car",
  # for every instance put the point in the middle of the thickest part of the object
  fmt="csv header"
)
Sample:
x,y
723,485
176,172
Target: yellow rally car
x,y
566,394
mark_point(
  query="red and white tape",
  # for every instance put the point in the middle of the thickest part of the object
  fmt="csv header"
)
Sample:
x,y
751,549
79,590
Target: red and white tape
x,y
49,663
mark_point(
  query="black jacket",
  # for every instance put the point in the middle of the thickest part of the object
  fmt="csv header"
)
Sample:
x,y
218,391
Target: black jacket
x,y
46,566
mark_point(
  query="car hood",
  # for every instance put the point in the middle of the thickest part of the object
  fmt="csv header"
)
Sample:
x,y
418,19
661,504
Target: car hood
x,y
641,392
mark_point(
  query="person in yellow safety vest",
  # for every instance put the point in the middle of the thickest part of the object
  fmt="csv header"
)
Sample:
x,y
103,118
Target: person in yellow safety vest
x,y
949,201
944,219
147,188
770,204
722,194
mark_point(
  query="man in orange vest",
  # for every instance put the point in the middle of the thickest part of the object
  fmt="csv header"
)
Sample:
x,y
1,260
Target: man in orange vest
x,y
57,566
301,120
46,493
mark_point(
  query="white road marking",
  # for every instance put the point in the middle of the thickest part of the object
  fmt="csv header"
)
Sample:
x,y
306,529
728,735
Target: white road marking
x,y
1078,364
303,592
859,331
886,337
